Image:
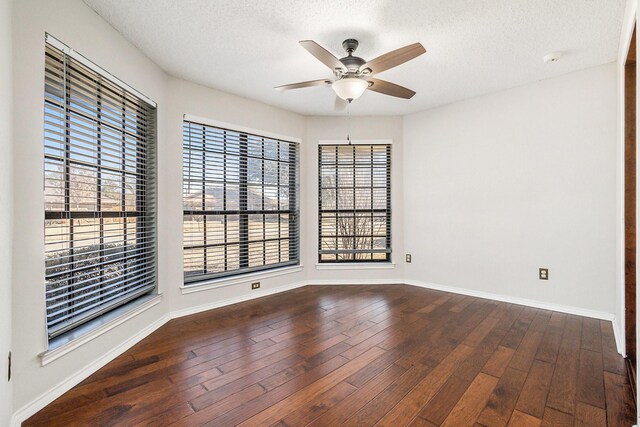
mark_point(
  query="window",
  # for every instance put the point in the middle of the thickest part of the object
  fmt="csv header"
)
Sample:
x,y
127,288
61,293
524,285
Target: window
x,y
240,202
354,203
99,185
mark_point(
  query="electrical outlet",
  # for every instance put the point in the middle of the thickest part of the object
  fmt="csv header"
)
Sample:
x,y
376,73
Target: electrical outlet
x,y
543,273
407,258
255,285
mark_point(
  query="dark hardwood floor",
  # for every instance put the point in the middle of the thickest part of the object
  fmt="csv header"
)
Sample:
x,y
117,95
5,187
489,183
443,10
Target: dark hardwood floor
x,y
390,355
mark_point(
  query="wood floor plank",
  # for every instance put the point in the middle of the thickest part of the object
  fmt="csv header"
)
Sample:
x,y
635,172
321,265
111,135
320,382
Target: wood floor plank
x,y
591,338
520,419
215,394
313,409
480,332
483,352
443,402
498,362
472,401
562,394
503,400
375,409
272,414
223,406
550,345
420,422
591,379
620,411
360,356
533,396
358,379
611,360
555,418
265,400
590,416
421,394
348,406
516,332
526,351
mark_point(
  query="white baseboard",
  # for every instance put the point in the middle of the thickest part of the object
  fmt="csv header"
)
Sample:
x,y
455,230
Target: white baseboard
x,y
56,391
357,282
487,295
49,396
236,300
619,338
53,393
530,303
515,300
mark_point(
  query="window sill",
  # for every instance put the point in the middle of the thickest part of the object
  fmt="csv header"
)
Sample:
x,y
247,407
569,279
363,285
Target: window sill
x,y
242,278
356,266
63,344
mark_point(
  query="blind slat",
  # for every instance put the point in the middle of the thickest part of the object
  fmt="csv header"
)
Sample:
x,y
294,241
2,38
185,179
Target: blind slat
x,y
354,199
240,202
100,179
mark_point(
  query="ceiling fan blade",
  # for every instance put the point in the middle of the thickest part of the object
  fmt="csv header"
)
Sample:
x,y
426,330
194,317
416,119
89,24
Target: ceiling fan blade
x,y
339,104
304,84
323,55
393,58
388,88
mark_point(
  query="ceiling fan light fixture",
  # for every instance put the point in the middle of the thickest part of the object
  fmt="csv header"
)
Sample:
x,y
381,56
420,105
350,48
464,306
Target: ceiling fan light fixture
x,y
350,88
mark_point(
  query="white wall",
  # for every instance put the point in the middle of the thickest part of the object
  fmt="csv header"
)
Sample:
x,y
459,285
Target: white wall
x,y
77,25
6,208
192,99
625,40
335,128
500,185
482,146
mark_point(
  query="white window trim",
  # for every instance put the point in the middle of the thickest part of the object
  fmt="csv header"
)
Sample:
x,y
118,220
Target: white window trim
x,y
355,142
240,129
356,266
92,66
96,328
238,279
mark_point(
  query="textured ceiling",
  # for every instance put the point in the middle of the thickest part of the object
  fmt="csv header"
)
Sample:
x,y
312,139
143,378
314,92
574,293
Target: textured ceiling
x,y
246,47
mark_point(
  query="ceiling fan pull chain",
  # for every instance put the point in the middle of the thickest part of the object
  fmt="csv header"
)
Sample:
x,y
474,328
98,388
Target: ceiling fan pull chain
x,y
348,124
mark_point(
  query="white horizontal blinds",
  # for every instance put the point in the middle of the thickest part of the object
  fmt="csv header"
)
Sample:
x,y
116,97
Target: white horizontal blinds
x,y
240,202
354,203
99,184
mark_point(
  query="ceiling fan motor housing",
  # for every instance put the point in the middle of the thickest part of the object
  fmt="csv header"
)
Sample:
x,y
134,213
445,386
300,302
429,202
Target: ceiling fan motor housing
x,y
350,45
352,63
353,74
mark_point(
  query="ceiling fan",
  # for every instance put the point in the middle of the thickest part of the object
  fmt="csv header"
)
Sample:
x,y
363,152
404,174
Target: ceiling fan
x,y
353,75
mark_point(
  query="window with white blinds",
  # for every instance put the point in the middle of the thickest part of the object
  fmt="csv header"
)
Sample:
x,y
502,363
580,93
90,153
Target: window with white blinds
x,y
100,191
354,203
240,202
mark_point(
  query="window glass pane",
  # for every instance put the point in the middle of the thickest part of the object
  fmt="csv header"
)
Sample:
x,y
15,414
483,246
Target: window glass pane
x,y
99,178
354,203
249,195
54,188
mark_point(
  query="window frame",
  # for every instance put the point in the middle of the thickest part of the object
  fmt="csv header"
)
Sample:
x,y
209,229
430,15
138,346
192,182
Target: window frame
x,y
111,291
244,138
387,211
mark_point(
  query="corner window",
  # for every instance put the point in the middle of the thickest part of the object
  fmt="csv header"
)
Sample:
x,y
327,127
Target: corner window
x,y
354,203
99,184
240,202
